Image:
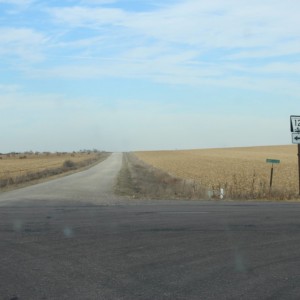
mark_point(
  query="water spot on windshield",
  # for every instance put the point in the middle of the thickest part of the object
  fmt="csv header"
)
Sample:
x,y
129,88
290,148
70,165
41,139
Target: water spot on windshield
x,y
18,225
68,232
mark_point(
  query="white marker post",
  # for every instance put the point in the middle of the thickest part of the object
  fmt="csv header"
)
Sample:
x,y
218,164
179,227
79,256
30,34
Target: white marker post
x,y
222,193
295,129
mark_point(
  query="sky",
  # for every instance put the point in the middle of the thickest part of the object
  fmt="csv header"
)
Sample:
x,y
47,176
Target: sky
x,y
126,75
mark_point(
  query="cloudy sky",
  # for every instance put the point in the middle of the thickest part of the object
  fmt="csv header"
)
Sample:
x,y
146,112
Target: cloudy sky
x,y
123,75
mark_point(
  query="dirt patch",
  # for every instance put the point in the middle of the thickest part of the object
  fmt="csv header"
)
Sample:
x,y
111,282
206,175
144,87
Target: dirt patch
x,y
140,180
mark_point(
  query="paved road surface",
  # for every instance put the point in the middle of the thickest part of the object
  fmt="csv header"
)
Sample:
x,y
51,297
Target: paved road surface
x,y
56,243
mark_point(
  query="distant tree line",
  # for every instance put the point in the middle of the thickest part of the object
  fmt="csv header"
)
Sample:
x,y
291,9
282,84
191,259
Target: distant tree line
x,y
30,153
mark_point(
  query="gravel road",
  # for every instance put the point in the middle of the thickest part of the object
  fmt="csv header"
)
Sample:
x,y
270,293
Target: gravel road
x,y
94,185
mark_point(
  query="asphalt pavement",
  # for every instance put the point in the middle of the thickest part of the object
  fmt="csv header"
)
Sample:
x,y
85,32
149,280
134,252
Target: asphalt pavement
x,y
72,238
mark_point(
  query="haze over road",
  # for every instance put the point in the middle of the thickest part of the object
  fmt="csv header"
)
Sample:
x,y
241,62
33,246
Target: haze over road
x,y
71,238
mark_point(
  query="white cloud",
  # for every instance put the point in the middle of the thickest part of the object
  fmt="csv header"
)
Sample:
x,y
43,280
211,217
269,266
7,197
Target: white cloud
x,y
209,47
207,24
22,42
98,2
90,17
220,23
277,69
188,42
19,35
179,37
9,88
17,2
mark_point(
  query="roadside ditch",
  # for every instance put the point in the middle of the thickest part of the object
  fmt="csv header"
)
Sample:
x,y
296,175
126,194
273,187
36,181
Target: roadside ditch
x,y
142,181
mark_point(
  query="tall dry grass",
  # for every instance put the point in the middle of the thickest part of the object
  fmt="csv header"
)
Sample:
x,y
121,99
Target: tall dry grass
x,y
140,180
241,172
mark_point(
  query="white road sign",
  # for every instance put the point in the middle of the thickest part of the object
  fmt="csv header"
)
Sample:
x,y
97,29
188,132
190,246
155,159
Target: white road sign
x,y
296,138
295,124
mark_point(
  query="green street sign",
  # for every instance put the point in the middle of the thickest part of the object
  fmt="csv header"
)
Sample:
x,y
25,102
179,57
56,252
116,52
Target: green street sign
x,y
273,161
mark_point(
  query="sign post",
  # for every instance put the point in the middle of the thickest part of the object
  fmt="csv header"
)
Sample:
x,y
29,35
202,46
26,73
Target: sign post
x,y
272,161
299,165
295,129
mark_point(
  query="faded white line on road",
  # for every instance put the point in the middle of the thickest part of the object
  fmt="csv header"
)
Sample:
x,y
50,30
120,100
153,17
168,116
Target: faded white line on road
x,y
184,212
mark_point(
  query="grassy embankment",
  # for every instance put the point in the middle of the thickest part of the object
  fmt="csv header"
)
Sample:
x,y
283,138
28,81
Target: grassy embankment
x,y
143,181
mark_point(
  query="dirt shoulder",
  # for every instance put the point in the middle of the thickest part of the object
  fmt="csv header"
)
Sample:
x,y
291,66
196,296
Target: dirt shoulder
x,y
140,180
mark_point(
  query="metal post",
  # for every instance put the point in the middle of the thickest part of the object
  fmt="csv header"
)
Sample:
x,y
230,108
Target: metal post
x,y
271,178
299,165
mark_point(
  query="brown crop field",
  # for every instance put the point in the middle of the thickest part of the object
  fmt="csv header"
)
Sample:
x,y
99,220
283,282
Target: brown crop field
x,y
25,167
242,172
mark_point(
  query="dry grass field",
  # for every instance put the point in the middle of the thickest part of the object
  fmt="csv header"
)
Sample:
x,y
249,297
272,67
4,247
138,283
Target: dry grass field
x,y
241,172
15,169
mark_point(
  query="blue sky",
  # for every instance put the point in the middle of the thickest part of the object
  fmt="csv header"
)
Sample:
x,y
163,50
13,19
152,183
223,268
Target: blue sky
x,y
141,75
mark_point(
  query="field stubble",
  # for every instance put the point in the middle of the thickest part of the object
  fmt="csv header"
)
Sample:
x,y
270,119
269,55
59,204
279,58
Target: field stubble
x,y
242,172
